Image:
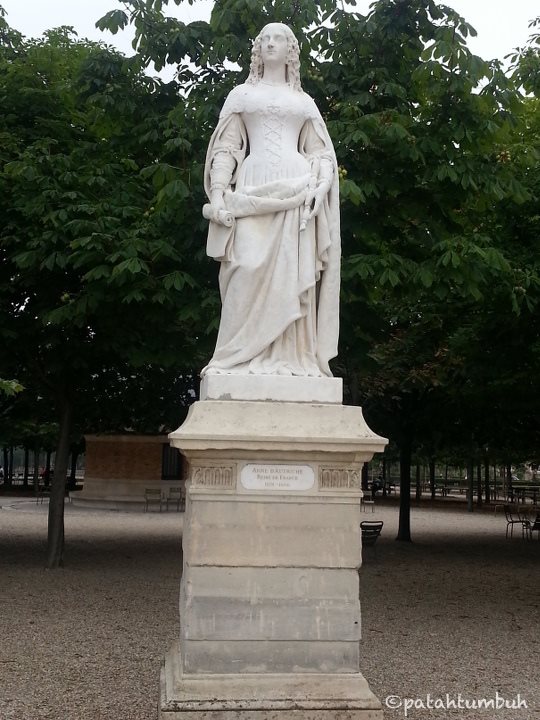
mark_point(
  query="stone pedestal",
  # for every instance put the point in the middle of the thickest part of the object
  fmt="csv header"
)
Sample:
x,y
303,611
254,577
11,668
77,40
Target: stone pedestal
x,y
269,602
273,388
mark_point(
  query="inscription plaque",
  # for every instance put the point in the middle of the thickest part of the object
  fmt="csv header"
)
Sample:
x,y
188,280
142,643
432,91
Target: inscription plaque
x,y
277,476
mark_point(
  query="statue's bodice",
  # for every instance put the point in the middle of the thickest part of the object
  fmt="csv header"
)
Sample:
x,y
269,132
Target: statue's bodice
x,y
273,128
273,117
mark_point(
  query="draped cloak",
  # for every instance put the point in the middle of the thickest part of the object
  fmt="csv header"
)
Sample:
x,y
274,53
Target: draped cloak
x,y
279,284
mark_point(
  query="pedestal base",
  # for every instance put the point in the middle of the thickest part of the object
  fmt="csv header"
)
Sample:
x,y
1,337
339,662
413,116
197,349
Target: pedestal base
x,y
264,696
269,600
272,388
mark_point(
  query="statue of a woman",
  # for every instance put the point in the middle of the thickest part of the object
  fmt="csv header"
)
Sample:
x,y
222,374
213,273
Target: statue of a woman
x,y
271,177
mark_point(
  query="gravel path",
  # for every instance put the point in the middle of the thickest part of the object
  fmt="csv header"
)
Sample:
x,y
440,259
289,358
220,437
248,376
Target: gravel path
x,y
455,612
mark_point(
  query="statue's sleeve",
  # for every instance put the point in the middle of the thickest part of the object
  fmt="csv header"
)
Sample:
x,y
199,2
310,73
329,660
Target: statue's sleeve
x,y
317,147
226,152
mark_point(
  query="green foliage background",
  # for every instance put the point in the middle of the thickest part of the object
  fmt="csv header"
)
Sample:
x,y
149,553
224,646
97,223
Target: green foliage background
x,y
108,303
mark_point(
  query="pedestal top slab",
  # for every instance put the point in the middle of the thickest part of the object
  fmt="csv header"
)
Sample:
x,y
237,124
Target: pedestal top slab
x,y
285,426
270,388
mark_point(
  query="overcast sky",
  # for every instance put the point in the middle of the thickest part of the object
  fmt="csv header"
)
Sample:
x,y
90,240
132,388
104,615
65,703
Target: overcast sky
x,y
502,25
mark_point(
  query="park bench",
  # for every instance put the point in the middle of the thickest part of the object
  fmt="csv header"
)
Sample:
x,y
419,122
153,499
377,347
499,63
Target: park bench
x,y
152,495
536,525
516,519
367,503
42,493
371,529
176,497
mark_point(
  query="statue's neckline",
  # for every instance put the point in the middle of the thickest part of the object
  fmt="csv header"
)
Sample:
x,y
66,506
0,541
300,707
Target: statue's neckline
x,y
276,85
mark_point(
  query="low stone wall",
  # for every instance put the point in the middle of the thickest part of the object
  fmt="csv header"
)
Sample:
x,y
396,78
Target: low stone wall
x,y
119,468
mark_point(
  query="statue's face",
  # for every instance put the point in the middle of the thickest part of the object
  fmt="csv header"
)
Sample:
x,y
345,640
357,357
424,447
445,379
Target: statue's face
x,y
274,44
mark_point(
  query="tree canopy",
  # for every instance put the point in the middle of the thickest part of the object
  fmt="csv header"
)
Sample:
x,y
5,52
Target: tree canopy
x,y
96,288
437,165
105,286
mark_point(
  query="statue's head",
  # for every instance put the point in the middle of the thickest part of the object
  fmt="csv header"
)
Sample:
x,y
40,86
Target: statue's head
x,y
291,60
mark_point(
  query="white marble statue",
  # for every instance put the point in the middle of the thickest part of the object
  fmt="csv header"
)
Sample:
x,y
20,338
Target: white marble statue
x,y
271,178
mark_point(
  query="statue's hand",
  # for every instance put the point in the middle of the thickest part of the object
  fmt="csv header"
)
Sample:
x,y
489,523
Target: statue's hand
x,y
216,210
318,198
217,204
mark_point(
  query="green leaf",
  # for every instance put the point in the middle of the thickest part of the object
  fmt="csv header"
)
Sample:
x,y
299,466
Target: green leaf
x,y
113,21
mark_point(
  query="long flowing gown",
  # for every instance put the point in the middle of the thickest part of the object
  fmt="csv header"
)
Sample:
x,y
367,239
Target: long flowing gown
x,y
279,284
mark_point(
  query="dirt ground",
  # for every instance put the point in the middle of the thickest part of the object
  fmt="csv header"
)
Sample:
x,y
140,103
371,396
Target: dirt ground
x,y
457,612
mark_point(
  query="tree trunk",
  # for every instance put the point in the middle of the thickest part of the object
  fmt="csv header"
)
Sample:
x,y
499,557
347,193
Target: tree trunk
x,y
36,468
47,477
10,470
470,482
73,472
509,488
418,493
404,529
5,465
432,478
55,537
353,387
384,479
479,485
26,467
487,485
365,477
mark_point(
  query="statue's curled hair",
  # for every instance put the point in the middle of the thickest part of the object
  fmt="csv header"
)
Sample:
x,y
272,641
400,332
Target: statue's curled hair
x,y
292,62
